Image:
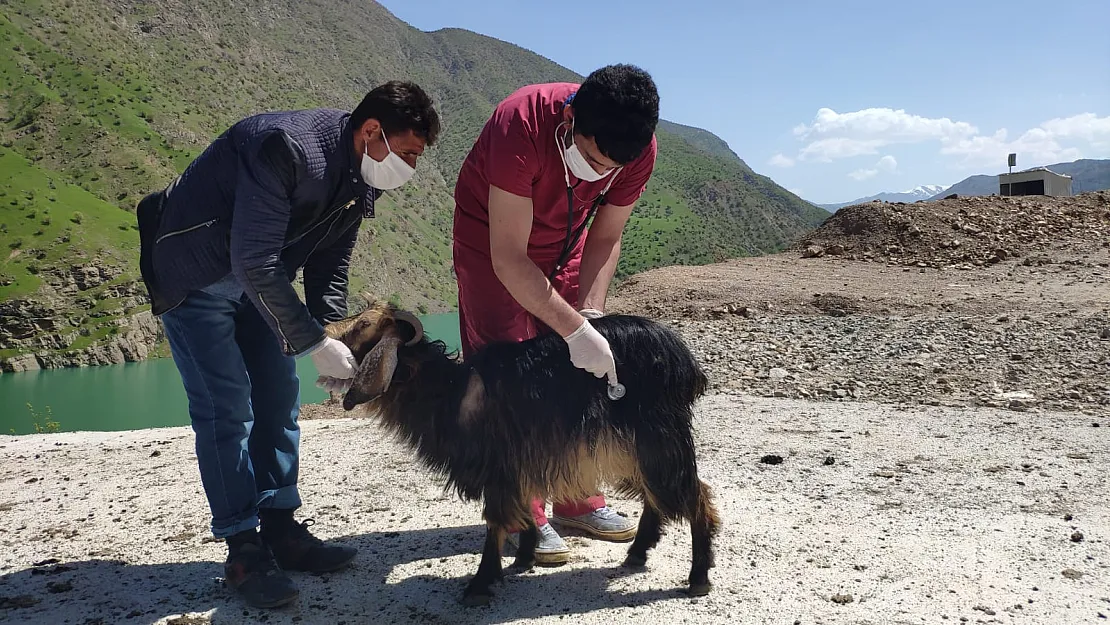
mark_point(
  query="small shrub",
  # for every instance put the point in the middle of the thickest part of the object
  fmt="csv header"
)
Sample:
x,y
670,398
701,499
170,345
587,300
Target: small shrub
x,y
16,244
48,424
77,217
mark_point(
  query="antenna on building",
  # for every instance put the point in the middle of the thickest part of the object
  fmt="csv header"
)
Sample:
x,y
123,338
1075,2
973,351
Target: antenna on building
x,y
1011,160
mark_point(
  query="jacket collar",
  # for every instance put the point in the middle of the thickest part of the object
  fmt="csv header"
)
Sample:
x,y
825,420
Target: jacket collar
x,y
364,193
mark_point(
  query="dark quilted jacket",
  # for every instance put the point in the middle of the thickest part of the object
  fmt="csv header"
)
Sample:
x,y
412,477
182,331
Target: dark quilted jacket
x,y
276,193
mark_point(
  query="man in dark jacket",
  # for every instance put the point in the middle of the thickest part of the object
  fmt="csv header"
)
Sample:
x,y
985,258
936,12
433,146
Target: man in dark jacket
x,y
275,194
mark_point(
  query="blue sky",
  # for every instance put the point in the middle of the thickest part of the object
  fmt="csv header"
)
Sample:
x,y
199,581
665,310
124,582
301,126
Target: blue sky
x,y
841,100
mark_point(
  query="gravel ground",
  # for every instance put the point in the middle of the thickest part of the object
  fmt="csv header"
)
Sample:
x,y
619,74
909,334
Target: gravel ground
x,y
955,360
876,514
1010,335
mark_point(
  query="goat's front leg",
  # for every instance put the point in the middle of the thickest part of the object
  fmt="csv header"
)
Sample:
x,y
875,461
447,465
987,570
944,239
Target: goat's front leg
x,y
478,591
526,550
500,510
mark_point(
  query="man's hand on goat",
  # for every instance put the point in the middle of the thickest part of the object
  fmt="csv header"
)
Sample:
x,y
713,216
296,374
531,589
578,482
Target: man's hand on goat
x,y
333,359
590,351
334,386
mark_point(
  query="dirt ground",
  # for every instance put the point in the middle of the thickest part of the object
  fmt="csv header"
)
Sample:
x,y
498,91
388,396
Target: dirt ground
x,y
876,514
783,284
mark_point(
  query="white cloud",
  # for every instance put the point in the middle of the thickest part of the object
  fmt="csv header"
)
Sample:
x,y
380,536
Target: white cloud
x,y
1086,126
835,135
1054,141
887,163
796,191
780,160
831,136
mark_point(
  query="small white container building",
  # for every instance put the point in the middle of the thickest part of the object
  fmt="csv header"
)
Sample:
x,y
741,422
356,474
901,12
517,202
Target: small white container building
x,y
1035,181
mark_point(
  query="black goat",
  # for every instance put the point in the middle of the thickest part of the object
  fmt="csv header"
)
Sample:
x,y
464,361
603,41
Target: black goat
x,y
518,421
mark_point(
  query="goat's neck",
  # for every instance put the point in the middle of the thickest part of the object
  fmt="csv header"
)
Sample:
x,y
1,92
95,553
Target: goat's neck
x,y
424,413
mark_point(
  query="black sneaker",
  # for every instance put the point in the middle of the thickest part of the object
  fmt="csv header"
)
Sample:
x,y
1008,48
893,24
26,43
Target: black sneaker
x,y
251,571
296,549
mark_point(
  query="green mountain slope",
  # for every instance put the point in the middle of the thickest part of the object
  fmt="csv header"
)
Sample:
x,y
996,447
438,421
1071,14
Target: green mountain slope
x,y
112,99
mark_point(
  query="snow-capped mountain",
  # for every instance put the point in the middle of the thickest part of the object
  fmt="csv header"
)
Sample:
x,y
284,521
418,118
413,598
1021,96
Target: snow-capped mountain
x,y
922,192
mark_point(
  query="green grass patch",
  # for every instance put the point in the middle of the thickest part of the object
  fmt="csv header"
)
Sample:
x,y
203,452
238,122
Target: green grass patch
x,y
46,223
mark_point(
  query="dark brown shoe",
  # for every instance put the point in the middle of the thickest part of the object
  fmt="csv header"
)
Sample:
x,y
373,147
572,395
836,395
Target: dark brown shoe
x,y
296,549
251,571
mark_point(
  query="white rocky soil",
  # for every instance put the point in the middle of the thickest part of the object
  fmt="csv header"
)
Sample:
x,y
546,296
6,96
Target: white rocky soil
x,y
875,514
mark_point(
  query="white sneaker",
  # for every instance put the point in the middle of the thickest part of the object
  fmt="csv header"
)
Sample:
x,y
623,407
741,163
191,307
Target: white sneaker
x,y
549,550
603,523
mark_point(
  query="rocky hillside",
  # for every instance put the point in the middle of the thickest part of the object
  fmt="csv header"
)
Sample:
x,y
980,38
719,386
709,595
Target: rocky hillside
x,y
963,232
104,100
969,302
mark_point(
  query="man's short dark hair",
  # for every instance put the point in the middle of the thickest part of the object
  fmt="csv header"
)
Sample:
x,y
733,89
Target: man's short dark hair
x,y
618,106
399,106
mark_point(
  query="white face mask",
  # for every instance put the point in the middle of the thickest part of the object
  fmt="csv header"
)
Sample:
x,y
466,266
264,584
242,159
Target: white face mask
x,y
574,160
387,174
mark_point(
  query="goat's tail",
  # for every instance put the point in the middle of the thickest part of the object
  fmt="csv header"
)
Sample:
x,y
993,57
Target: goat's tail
x,y
668,466
705,511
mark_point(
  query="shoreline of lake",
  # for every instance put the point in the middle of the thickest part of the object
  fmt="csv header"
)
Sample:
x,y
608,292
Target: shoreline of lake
x,y
132,395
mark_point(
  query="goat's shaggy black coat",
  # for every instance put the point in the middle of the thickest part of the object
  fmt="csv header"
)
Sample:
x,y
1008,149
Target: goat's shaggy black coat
x,y
518,421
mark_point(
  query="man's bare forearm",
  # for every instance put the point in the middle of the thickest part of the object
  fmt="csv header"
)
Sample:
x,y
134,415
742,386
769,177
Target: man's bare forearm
x,y
531,289
599,264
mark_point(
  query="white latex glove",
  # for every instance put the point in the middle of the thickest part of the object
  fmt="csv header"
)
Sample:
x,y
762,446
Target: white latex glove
x,y
334,386
590,351
334,360
591,313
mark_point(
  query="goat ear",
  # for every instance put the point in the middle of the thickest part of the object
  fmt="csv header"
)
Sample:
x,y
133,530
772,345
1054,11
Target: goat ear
x,y
375,372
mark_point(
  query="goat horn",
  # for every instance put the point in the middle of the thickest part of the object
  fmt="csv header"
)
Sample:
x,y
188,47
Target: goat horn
x,y
417,327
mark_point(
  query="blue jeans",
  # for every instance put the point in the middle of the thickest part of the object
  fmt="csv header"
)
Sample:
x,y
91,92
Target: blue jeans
x,y
244,398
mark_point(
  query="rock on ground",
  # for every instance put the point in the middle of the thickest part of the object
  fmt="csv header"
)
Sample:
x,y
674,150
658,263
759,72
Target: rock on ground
x,y
927,514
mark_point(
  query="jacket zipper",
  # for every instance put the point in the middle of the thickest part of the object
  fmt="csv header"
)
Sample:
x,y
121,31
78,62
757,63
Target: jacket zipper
x,y
277,322
189,229
318,241
330,215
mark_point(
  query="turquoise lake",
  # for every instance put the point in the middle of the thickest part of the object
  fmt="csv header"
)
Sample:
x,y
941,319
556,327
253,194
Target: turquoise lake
x,y
134,395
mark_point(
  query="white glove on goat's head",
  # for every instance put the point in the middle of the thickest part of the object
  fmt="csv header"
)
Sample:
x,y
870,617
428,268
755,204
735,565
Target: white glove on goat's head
x,y
333,359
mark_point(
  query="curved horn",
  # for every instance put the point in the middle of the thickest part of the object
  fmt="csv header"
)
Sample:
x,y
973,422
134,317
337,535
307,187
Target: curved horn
x,y
417,327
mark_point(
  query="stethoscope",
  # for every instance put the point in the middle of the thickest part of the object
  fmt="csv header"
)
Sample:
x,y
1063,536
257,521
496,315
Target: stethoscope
x,y
574,235
617,390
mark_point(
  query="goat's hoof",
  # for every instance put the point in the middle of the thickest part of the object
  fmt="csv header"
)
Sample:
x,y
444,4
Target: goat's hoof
x,y
521,565
635,560
700,589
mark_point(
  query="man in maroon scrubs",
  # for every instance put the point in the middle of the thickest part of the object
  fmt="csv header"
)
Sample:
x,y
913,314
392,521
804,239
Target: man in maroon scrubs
x,y
517,275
